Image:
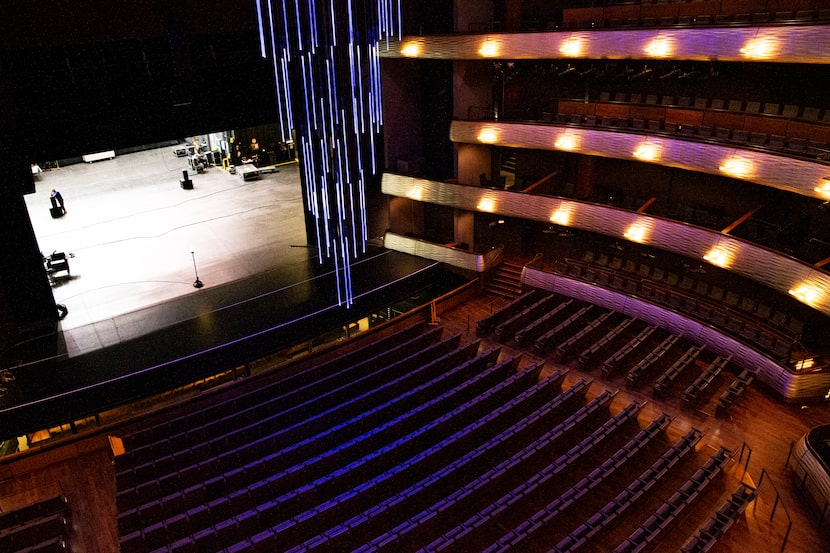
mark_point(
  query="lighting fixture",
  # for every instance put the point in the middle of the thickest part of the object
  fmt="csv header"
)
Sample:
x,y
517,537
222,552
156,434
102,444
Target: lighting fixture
x,y
567,141
561,216
760,48
411,49
637,232
660,47
488,135
647,151
415,194
572,47
719,256
806,293
486,204
326,62
489,48
739,167
824,187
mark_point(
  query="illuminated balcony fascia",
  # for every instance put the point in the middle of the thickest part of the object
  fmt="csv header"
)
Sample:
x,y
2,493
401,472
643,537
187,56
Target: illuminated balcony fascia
x,y
790,44
749,260
799,176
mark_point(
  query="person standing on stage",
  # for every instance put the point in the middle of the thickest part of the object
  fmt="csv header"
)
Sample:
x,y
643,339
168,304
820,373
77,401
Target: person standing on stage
x,y
57,200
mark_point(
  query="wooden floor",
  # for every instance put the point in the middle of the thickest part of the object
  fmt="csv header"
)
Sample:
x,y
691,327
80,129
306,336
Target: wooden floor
x,y
83,469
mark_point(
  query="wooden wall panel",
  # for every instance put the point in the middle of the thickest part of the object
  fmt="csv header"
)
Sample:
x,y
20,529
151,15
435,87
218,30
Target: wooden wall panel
x,y
621,12
808,131
684,116
769,125
734,7
644,112
725,119
569,107
700,7
659,9
774,6
575,15
618,111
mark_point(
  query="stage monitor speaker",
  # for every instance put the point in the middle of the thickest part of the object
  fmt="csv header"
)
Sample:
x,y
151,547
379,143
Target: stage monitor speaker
x,y
186,183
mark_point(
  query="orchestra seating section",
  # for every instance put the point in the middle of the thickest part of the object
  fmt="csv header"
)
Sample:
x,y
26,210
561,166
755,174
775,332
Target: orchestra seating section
x,y
743,317
721,521
417,441
574,331
41,527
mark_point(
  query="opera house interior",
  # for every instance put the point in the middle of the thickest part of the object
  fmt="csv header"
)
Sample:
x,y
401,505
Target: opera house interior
x,y
356,275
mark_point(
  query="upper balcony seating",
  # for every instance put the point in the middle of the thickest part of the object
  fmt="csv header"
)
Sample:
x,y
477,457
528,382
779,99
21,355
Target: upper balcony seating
x,y
775,128
701,12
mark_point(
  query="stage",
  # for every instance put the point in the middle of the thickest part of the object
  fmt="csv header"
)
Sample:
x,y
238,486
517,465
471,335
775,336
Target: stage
x,y
136,325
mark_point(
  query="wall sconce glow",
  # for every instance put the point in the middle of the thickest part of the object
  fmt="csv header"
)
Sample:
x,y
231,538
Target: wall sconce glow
x,y
647,151
572,47
638,232
567,141
824,187
737,167
561,216
806,293
488,135
719,256
411,49
415,194
804,364
660,47
760,48
487,204
489,48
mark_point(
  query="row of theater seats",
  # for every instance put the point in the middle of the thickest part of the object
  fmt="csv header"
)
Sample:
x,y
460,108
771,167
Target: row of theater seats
x,y
646,480
721,521
41,527
636,365
674,372
735,390
796,146
787,111
692,395
742,316
565,329
392,445
519,462
676,504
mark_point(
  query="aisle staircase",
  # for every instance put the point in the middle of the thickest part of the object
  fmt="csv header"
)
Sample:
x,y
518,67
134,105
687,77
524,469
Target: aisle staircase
x,y
505,280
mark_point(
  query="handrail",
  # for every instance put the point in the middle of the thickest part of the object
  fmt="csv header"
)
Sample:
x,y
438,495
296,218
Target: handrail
x,y
536,262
